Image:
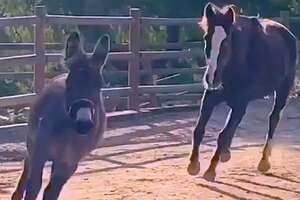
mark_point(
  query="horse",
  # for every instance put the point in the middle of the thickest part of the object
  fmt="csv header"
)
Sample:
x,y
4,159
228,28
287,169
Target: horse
x,y
66,121
247,58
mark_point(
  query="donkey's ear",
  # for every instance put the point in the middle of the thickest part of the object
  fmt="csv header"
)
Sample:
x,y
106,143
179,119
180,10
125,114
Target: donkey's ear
x,y
230,14
101,49
73,45
209,10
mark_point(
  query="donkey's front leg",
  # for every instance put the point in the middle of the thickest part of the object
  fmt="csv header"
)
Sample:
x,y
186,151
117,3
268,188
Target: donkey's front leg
x,y
60,174
209,101
20,189
34,182
225,138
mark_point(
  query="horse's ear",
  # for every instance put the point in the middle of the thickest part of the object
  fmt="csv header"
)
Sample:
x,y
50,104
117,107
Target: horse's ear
x,y
209,10
101,49
230,14
73,45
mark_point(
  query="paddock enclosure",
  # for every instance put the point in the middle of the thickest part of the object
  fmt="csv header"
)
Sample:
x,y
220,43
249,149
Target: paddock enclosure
x,y
146,156
143,88
146,147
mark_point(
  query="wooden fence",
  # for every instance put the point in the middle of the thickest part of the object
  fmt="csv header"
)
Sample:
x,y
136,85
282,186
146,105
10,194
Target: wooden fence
x,y
134,55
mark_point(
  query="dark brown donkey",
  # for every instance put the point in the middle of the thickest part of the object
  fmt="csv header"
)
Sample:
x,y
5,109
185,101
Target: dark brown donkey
x,y
248,58
66,122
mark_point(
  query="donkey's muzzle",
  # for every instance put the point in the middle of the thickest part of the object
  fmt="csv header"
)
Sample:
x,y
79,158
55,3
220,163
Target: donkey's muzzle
x,y
83,127
81,112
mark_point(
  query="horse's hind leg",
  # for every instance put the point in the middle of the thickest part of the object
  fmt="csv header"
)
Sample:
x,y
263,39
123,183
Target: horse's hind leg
x,y
281,96
19,191
225,139
209,101
60,174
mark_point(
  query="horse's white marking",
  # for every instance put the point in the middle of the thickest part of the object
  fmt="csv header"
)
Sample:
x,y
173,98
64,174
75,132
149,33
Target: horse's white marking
x,y
84,114
217,38
268,147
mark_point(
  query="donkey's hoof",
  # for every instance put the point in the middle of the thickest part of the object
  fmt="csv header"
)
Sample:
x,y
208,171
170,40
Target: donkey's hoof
x,y
193,168
264,165
225,156
210,175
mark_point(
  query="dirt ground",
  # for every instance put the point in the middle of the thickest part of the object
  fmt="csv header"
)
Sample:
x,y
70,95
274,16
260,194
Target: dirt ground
x,y
147,159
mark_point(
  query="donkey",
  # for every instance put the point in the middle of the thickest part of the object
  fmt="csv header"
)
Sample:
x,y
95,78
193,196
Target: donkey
x,y
247,58
66,121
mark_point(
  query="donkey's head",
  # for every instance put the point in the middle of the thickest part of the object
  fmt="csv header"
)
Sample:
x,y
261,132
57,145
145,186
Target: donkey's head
x,y
217,24
84,80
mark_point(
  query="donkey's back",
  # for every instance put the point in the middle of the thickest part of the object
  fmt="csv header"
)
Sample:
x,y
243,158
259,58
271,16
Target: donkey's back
x,y
49,105
49,122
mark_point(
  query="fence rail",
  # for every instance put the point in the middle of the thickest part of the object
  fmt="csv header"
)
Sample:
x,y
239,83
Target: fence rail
x,y
21,59
151,21
24,21
135,55
88,20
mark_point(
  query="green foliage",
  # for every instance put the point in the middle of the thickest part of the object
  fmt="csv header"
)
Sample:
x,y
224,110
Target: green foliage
x,y
155,36
8,88
12,8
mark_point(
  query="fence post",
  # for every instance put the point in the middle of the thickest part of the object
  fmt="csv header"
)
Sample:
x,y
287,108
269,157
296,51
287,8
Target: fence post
x,y
150,80
285,18
134,63
39,49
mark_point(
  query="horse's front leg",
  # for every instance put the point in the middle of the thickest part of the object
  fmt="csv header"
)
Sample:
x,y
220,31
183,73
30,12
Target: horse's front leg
x,y
225,138
209,100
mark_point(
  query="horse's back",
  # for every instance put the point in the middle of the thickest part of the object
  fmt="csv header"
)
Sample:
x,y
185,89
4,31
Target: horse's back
x,y
268,54
281,42
278,54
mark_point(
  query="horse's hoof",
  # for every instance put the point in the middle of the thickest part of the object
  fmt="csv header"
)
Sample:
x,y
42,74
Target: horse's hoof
x,y
264,165
210,175
194,168
225,157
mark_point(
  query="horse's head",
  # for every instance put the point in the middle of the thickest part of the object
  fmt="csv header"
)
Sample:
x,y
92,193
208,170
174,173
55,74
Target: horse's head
x,y
84,80
217,24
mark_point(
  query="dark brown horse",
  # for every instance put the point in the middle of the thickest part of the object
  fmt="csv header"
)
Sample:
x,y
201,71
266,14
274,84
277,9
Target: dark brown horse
x,y
248,58
66,122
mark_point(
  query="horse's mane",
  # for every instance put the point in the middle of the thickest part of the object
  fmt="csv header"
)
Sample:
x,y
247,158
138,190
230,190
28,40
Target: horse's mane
x,y
204,23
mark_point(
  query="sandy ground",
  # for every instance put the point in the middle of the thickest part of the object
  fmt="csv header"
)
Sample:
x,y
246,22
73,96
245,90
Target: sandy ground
x,y
147,159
